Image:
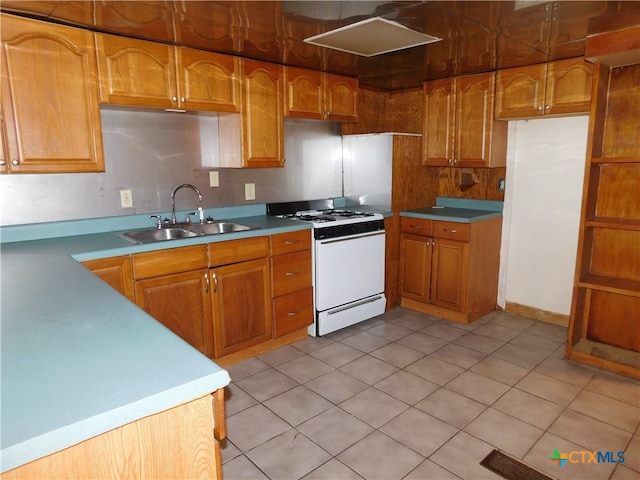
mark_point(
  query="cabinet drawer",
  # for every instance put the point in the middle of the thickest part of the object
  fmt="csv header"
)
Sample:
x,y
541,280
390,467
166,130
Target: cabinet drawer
x,y
290,272
165,262
290,242
234,251
451,230
293,311
416,226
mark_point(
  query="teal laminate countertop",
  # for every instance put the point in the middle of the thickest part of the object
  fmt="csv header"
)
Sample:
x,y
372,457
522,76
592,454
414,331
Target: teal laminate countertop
x,y
458,210
78,359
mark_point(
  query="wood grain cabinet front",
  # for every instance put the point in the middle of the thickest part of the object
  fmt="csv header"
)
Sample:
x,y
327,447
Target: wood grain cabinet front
x,y
322,96
116,271
50,107
449,269
555,88
140,73
291,283
459,129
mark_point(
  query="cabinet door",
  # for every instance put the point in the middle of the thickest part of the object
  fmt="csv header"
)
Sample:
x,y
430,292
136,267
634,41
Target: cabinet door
x,y
520,92
136,72
262,115
208,81
449,274
50,97
241,299
181,303
568,87
437,138
341,98
415,267
474,120
305,93
116,271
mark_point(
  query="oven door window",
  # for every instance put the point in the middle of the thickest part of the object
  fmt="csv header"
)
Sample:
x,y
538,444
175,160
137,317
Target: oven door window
x,y
348,269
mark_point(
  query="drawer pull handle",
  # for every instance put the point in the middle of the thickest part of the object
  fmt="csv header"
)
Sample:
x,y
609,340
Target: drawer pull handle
x,y
453,230
206,278
291,242
291,274
215,283
415,226
293,314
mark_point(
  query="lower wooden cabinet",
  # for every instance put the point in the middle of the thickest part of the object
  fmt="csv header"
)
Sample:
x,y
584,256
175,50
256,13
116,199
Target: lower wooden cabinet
x,y
227,299
291,283
116,271
180,302
241,297
450,269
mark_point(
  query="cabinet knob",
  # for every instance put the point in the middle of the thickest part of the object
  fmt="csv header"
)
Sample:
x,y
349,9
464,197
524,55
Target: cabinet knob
x,y
15,162
427,243
2,162
174,98
547,107
455,160
539,108
206,279
183,99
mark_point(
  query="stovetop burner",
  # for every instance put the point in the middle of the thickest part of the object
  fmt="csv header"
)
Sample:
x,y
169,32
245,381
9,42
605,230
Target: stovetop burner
x,y
320,215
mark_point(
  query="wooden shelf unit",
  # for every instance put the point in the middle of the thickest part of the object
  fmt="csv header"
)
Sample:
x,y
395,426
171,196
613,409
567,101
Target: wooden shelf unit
x,y
604,329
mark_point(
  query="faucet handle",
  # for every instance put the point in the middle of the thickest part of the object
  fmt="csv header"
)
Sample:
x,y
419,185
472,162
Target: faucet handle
x,y
188,218
158,222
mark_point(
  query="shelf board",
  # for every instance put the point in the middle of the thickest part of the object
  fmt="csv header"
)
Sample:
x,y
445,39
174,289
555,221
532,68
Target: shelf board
x,y
601,355
614,223
615,160
610,284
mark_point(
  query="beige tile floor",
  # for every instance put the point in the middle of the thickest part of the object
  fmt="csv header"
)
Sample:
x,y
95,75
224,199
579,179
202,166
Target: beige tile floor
x,y
407,395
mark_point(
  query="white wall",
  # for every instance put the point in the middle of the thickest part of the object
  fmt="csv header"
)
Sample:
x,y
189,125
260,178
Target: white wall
x,y
545,170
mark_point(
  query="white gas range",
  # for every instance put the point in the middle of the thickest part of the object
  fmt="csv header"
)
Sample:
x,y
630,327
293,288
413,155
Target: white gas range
x,y
348,262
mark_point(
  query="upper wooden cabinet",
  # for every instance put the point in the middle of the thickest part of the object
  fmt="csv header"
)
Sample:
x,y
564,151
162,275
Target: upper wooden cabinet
x,y
459,128
149,74
317,95
49,98
556,88
262,115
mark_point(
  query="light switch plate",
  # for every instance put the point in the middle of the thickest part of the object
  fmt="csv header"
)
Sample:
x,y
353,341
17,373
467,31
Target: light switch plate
x,y
249,191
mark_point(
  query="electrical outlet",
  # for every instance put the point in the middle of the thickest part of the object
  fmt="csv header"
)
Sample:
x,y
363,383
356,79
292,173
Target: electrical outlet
x,y
249,191
214,179
126,199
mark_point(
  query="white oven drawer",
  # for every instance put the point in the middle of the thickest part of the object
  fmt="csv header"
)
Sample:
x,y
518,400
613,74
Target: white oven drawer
x,y
348,269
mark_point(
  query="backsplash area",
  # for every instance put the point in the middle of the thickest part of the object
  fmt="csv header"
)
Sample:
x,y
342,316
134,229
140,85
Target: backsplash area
x,y
151,152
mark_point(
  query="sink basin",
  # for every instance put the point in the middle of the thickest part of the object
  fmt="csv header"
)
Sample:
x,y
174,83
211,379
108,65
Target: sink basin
x,y
155,235
216,228
150,235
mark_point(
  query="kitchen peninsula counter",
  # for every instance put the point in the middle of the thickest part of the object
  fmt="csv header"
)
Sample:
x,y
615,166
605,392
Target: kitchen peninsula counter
x,y
79,359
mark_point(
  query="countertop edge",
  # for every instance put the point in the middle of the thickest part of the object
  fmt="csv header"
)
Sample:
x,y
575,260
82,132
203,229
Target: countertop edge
x,y
73,434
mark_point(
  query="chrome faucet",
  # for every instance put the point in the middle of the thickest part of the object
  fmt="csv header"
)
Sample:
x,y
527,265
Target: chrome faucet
x,y
173,198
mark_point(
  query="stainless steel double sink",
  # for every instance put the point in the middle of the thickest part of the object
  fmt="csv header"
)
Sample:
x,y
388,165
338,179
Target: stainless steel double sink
x,y
150,235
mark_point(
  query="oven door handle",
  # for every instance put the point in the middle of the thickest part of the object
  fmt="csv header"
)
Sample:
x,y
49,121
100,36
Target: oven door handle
x,y
351,237
354,305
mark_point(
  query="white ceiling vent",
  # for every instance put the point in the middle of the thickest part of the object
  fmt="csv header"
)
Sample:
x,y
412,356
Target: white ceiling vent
x,y
370,37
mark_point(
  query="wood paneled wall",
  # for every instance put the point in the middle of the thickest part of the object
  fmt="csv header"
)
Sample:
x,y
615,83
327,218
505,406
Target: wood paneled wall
x,y
486,188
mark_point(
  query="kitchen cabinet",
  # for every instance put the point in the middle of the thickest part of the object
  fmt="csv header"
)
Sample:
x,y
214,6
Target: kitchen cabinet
x,y
459,129
173,287
604,330
554,88
149,74
116,271
322,96
49,98
262,115
291,284
240,294
449,269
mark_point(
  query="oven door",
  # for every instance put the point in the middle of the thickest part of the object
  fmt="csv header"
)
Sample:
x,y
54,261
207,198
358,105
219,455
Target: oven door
x,y
348,269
